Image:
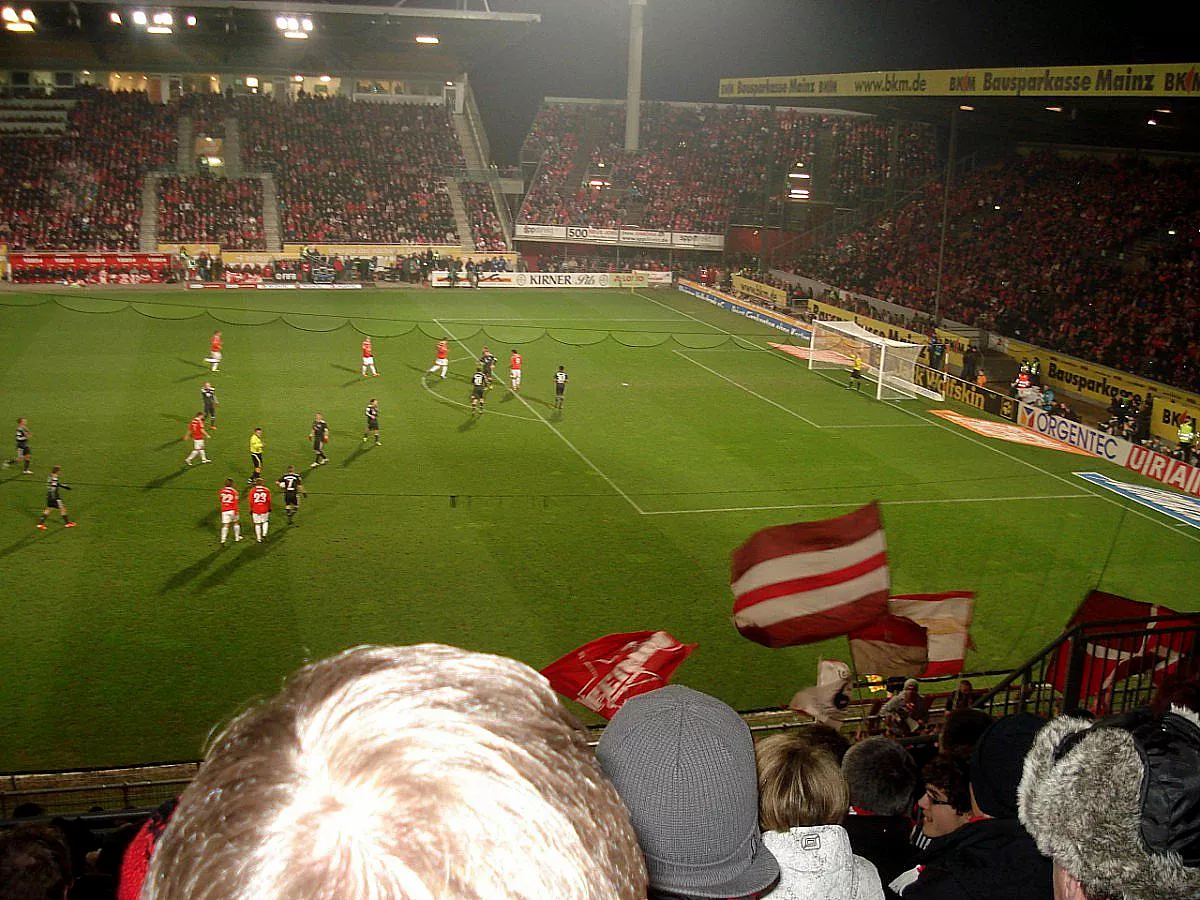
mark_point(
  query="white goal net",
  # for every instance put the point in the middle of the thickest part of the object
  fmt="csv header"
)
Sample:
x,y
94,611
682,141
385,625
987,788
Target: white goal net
x,y
888,366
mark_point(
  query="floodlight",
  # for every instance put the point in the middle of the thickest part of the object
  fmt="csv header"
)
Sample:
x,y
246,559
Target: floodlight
x,y
966,108
296,35
158,29
19,27
114,17
28,16
139,17
799,175
164,18
1054,109
1152,121
427,39
451,84
1165,112
325,79
251,81
281,23
298,79
306,24
191,20
10,15
1171,231
292,24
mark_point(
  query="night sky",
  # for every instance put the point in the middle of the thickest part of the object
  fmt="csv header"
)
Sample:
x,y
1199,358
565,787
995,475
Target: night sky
x,y
581,47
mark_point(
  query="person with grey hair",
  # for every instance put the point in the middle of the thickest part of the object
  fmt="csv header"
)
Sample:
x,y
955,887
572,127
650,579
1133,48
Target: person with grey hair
x,y
1116,805
683,762
401,772
884,782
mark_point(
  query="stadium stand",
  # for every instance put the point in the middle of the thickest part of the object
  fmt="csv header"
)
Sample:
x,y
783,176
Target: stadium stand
x,y
350,171
210,210
1049,250
80,190
486,231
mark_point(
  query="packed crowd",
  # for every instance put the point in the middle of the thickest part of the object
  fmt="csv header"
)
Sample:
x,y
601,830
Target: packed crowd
x,y
1037,249
210,210
697,163
82,190
436,772
486,230
349,171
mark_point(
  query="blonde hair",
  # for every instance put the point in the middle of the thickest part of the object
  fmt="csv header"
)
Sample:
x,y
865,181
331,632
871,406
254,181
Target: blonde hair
x,y
384,773
799,784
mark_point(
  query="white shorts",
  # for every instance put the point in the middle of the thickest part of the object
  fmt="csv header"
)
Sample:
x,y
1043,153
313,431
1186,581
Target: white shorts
x,y
198,444
259,518
228,516
368,360
516,376
215,356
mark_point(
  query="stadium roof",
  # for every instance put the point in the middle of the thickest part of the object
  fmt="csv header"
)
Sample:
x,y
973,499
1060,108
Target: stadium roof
x,y
242,36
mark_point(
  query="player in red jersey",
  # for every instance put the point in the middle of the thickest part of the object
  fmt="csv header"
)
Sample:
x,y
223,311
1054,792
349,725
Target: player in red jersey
x,y
214,351
197,433
260,509
368,359
443,359
514,371
228,496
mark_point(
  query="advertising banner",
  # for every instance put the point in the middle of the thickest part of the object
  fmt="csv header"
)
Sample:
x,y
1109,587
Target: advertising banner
x,y
1158,80
688,241
636,237
965,392
759,291
242,279
541,232
95,268
646,238
1099,384
661,279
593,235
743,308
550,279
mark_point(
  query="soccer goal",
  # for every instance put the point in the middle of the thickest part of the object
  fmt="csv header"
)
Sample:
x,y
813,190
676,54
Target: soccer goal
x,y
888,366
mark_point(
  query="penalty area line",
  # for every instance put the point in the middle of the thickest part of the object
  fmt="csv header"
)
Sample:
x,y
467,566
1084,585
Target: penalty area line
x,y
562,437
855,504
751,392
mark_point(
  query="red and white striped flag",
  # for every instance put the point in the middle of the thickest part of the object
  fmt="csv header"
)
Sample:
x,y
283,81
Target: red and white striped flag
x,y
604,673
889,646
946,619
802,583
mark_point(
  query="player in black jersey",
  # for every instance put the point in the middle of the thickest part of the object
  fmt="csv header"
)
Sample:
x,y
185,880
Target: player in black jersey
x,y
24,454
292,486
320,437
208,394
54,499
372,414
487,362
560,387
478,384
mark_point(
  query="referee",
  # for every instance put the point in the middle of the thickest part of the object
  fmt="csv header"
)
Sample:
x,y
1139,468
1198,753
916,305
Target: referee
x,y
256,455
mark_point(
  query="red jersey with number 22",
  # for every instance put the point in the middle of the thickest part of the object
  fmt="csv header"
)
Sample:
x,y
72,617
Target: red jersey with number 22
x,y
260,500
229,499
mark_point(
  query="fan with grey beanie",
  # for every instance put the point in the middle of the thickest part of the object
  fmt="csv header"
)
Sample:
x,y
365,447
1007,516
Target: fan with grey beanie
x,y
1116,804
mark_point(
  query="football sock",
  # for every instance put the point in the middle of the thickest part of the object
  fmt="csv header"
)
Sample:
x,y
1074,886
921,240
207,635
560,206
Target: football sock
x,y
27,461
224,533
41,518
237,531
266,526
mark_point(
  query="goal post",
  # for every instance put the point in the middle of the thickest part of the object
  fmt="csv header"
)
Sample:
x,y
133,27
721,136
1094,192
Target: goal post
x,y
889,366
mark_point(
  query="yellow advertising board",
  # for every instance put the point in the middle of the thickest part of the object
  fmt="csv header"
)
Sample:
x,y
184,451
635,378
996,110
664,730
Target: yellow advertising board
x,y
1099,384
1158,80
759,291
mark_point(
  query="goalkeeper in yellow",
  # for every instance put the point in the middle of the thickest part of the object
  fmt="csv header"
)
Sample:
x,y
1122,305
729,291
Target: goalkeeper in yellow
x,y
856,370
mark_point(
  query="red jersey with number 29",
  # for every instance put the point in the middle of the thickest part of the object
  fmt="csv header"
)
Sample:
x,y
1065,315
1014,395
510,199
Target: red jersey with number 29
x,y
229,499
260,500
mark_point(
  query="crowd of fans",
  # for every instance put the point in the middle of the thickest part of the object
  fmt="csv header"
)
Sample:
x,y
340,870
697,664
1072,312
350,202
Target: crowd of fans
x,y
697,163
437,772
82,190
347,171
1037,249
486,231
212,210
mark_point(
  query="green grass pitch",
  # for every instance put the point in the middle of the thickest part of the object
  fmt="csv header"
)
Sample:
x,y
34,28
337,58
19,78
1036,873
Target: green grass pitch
x,y
524,531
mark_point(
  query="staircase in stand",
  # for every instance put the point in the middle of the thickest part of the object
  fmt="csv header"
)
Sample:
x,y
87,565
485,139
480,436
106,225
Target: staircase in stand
x,y
232,148
148,222
271,232
185,161
461,220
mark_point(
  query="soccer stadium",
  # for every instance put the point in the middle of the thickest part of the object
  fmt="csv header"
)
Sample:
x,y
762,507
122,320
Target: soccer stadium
x,y
464,430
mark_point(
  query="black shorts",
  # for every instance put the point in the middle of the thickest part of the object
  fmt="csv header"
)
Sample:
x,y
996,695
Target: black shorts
x,y
52,500
256,460
372,424
210,410
23,450
477,392
854,373
291,498
560,389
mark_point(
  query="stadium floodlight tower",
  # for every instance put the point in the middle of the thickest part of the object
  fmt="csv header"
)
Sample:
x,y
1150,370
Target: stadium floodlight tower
x,y
889,366
633,84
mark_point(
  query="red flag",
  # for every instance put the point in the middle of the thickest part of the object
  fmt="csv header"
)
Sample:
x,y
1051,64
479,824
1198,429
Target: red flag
x,y
604,673
891,645
947,621
797,584
1130,649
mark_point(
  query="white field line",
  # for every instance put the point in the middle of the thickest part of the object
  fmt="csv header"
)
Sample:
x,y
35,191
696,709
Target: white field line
x,y
960,432
445,399
687,315
751,392
541,320
562,437
726,509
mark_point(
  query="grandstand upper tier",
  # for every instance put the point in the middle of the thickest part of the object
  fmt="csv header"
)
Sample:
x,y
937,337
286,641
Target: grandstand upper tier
x,y
697,163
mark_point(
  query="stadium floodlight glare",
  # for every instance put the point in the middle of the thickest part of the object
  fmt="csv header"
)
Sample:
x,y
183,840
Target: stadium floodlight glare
x,y
1171,231
427,39
251,81
281,23
158,29
28,16
306,24
10,15
164,18
1054,109
799,175
298,79
191,21
139,17
965,107
114,17
1152,121
296,35
1165,112
325,79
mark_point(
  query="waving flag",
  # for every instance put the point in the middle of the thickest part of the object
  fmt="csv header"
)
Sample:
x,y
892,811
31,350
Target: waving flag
x,y
797,584
604,673
946,619
891,645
